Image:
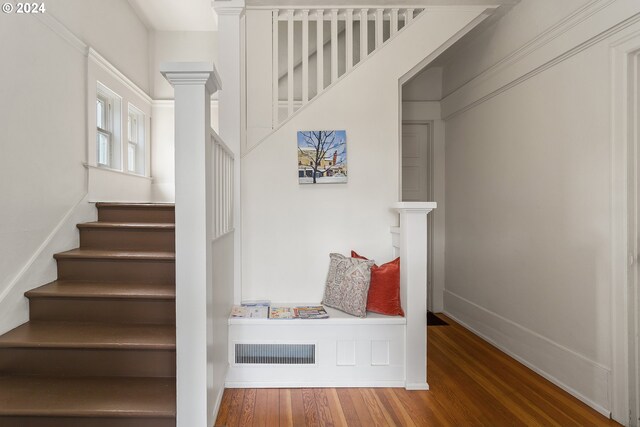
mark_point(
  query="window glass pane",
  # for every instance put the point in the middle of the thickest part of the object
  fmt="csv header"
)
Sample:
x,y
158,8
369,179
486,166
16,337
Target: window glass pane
x,y
104,150
132,158
100,114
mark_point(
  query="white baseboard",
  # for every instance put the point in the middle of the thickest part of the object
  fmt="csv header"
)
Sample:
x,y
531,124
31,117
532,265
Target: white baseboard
x,y
579,376
417,386
216,406
316,384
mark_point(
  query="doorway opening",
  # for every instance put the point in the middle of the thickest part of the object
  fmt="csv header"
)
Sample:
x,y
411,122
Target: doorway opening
x,y
417,180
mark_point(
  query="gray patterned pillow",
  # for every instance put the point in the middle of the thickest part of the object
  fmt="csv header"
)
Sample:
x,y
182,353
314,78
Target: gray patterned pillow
x,y
348,284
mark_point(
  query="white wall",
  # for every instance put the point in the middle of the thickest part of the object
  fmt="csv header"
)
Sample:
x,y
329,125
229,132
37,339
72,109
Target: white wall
x,y
163,149
426,86
43,134
520,26
218,312
174,46
113,29
528,194
290,229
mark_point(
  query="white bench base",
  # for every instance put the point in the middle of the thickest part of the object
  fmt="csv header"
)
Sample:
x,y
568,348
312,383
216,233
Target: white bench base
x,y
349,352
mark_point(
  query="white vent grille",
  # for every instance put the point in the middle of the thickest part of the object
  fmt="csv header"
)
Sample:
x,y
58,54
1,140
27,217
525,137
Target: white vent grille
x,y
276,354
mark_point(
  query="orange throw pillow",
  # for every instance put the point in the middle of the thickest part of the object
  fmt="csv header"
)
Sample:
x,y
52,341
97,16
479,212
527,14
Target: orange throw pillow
x,y
384,291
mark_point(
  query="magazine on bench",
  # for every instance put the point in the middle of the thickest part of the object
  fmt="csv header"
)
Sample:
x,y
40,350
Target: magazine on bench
x,y
310,312
303,312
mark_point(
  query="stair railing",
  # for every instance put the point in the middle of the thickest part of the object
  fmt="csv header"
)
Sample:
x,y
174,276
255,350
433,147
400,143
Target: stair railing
x,y
223,182
204,168
344,24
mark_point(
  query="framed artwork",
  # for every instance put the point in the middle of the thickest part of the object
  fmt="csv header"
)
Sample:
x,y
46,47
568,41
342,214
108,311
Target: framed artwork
x,y
322,157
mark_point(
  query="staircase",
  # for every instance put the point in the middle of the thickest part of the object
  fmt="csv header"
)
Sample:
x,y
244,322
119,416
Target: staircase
x,y
99,348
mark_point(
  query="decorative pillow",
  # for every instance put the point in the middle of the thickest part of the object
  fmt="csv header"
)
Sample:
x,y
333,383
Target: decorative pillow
x,y
348,284
384,291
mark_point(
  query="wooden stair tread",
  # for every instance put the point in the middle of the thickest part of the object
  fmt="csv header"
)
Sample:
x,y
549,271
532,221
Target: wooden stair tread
x,y
87,397
135,205
116,254
106,290
49,334
161,226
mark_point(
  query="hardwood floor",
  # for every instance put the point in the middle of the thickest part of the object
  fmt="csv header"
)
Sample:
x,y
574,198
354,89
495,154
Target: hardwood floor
x,y
472,384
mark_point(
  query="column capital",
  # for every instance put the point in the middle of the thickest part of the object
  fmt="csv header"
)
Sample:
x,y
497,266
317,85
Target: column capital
x,y
229,7
192,73
415,207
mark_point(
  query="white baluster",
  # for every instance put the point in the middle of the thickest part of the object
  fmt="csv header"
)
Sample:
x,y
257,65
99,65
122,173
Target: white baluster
x,y
393,17
219,187
349,38
379,27
305,56
364,36
225,194
408,16
290,62
320,49
276,73
334,45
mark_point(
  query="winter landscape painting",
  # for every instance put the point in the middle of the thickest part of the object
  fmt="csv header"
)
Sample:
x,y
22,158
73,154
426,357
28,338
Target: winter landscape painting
x,y
322,157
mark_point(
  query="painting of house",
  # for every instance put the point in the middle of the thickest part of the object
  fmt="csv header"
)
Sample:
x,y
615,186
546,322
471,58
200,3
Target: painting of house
x,y
322,157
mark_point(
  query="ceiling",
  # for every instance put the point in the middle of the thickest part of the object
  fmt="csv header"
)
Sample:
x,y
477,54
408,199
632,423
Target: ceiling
x,y
176,15
387,3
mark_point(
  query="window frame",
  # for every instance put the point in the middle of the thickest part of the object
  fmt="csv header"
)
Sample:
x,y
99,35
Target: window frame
x,y
138,142
112,130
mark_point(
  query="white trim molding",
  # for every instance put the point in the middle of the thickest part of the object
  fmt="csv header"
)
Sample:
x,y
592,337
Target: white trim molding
x,y
623,169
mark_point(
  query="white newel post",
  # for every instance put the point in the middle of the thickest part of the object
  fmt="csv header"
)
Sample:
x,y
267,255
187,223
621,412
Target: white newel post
x,y
413,285
232,118
193,85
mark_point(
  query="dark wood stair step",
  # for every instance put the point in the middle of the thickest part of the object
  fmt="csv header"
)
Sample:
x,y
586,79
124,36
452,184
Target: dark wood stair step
x,y
136,212
115,254
128,236
35,334
115,290
142,303
116,266
123,401
75,350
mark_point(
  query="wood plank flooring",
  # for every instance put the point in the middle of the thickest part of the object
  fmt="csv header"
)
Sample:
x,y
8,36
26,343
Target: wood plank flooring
x,y
472,384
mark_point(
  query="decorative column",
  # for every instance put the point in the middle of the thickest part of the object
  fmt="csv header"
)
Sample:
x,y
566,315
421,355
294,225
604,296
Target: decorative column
x,y
413,288
231,101
194,83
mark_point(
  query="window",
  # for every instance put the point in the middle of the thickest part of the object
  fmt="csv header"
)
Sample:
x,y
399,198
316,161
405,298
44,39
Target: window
x,y
135,147
107,128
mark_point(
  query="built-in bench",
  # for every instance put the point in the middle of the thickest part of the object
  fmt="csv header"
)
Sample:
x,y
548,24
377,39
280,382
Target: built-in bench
x,y
343,350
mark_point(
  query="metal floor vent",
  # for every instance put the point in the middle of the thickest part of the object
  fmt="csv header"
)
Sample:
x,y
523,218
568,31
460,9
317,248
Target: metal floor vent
x,y
276,354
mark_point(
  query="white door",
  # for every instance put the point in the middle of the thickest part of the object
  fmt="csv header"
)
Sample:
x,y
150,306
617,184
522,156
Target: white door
x,y
417,181
415,162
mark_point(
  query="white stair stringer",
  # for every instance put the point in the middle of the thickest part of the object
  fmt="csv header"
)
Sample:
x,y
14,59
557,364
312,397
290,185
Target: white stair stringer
x,y
366,104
